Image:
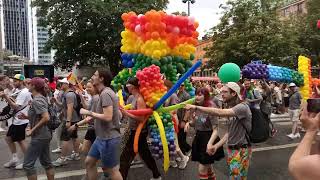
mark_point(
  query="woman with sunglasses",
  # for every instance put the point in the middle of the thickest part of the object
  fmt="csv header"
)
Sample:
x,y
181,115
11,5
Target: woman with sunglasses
x,y
128,154
206,127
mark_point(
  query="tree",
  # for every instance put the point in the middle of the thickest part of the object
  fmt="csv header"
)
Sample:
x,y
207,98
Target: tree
x,y
309,34
88,31
251,30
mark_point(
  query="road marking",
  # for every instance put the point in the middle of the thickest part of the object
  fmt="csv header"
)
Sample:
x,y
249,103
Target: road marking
x,y
275,147
82,172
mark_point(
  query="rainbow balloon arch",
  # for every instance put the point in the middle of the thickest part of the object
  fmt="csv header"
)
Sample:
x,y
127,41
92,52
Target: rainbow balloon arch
x,y
157,45
302,77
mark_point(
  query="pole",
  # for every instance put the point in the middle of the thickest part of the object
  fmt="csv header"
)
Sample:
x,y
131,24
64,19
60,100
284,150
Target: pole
x,y
188,8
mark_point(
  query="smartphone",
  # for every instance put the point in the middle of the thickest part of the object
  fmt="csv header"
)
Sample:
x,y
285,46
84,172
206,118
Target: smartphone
x,y
313,105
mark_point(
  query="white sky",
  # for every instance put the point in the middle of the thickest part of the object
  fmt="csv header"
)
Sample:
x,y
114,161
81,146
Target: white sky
x,y
206,12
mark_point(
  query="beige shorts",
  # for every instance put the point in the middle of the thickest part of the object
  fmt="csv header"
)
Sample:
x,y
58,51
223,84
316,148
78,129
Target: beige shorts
x,y
294,115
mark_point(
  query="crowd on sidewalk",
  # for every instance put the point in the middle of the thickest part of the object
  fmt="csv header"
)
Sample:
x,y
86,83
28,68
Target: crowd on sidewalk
x,y
35,103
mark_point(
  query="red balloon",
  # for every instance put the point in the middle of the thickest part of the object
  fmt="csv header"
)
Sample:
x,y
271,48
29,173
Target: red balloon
x,y
318,24
140,112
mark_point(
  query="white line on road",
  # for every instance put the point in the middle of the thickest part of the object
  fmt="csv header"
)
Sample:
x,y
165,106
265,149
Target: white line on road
x,y
275,147
81,172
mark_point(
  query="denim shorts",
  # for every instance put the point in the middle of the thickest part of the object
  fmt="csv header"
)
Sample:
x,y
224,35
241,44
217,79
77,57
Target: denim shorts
x,y
107,151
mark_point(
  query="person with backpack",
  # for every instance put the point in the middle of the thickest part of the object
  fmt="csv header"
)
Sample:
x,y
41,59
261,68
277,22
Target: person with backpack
x,y
41,135
294,110
70,111
239,126
252,95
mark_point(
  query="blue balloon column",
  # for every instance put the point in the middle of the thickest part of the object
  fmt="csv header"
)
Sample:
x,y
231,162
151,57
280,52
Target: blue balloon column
x,y
156,145
256,70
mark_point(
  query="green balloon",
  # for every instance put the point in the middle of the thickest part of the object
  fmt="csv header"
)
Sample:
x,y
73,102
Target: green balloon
x,y
229,72
192,57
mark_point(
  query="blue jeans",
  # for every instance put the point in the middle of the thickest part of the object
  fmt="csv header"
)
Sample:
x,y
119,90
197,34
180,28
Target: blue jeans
x,y
107,151
38,148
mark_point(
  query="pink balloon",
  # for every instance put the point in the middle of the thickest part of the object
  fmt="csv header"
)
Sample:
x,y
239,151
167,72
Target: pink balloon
x,y
137,29
176,30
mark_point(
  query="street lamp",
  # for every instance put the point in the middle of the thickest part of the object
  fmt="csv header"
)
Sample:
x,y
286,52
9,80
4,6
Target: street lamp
x,y
189,1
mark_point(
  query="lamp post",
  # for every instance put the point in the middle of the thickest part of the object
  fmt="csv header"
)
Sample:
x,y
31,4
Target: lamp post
x,y
189,1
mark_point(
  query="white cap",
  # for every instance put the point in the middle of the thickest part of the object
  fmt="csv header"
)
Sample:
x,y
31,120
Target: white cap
x,y
235,87
64,80
292,85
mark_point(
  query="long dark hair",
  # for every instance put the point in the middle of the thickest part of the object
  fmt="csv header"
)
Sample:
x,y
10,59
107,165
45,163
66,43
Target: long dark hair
x,y
207,102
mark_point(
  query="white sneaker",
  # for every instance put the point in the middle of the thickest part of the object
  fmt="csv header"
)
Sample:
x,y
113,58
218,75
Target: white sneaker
x,y
2,130
60,162
173,164
291,136
12,163
184,162
159,178
73,157
297,135
58,150
19,167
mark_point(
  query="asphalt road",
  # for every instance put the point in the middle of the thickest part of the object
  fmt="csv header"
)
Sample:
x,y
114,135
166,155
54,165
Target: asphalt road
x,y
269,162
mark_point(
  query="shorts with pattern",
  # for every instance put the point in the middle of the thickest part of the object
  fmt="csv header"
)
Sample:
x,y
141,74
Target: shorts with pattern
x,y
238,163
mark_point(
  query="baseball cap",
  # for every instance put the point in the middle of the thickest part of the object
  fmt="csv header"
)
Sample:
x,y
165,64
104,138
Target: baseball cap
x,y
235,87
292,85
19,77
64,80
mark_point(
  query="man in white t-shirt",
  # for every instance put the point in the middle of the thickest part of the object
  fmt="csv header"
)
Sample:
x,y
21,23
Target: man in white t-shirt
x,y
16,132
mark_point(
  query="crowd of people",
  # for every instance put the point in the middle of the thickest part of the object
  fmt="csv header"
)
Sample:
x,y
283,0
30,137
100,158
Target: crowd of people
x,y
96,105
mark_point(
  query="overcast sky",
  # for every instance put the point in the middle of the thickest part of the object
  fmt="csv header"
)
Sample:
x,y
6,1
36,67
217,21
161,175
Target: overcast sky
x,y
206,12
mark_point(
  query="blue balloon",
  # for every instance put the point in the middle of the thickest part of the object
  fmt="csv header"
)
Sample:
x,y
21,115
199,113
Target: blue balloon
x,y
177,85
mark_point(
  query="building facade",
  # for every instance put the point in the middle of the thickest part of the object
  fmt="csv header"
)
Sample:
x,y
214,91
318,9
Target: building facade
x,y
294,8
200,54
20,33
44,58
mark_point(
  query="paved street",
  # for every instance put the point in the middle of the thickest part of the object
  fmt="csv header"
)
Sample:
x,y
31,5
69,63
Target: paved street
x,y
270,160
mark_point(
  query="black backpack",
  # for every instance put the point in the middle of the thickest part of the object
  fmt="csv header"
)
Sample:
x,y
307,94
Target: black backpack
x,y
78,103
54,121
260,129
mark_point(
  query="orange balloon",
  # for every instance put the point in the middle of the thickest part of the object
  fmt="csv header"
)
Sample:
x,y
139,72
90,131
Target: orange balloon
x,y
155,35
125,16
196,24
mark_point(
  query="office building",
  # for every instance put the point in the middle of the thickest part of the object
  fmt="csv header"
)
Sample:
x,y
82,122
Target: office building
x,y
294,8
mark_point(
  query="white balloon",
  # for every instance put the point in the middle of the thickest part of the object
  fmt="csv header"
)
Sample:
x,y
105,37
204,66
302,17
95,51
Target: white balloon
x,y
140,15
191,20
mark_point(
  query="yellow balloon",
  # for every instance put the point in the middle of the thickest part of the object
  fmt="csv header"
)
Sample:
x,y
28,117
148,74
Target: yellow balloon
x,y
121,101
163,140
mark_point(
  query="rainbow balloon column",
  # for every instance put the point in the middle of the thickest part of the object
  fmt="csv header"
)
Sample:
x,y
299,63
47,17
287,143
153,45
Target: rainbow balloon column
x,y
273,73
156,144
304,64
155,45
167,41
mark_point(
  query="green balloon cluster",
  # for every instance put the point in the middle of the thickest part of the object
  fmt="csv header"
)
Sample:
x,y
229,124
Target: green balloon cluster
x,y
297,78
120,79
170,66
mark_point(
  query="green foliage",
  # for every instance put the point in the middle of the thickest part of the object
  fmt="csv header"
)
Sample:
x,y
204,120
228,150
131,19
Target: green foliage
x,y
88,31
309,34
251,30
